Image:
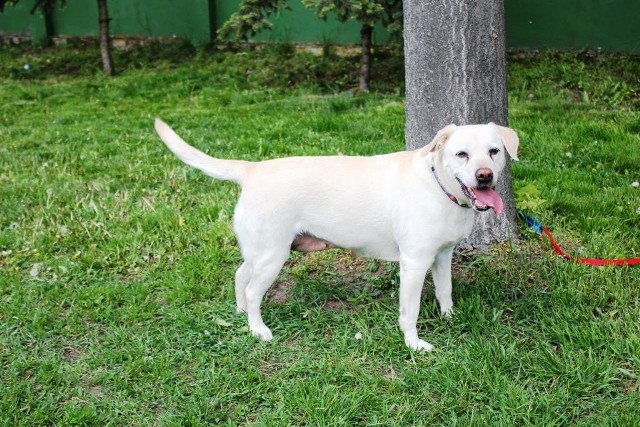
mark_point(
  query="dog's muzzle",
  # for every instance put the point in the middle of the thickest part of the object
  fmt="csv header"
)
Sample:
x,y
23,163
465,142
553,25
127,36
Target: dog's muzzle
x,y
483,197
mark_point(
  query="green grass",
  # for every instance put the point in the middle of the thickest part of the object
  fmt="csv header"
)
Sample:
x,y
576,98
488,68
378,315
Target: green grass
x,y
117,261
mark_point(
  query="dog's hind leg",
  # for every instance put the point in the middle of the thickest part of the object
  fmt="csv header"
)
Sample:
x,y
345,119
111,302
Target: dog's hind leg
x,y
243,276
263,273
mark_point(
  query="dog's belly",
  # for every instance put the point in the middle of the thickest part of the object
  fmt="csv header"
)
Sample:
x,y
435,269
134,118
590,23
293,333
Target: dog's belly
x,y
385,253
364,242
380,250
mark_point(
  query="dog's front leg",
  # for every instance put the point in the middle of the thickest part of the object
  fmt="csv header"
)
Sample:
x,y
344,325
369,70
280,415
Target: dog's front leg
x,y
412,273
441,272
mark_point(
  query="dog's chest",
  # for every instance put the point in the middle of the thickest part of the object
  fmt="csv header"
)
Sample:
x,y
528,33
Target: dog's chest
x,y
453,228
436,225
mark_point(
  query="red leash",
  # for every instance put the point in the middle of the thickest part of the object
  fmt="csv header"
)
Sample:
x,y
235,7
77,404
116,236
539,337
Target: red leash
x,y
541,229
588,261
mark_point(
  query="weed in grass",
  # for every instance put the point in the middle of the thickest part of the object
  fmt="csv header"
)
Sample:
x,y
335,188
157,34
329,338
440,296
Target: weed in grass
x,y
117,262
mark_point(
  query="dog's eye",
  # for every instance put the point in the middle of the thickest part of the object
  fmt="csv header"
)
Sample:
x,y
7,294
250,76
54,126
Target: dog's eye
x,y
493,152
462,154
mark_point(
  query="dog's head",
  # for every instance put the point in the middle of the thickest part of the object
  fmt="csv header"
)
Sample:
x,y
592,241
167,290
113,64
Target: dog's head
x,y
474,156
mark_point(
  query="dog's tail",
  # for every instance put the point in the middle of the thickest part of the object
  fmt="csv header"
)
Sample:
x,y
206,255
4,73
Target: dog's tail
x,y
231,170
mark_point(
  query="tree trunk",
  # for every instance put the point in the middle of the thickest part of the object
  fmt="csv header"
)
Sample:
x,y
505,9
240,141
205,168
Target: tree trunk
x,y
365,60
105,39
456,73
49,26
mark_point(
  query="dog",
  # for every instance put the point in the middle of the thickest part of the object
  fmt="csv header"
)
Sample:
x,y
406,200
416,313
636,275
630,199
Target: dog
x,y
410,206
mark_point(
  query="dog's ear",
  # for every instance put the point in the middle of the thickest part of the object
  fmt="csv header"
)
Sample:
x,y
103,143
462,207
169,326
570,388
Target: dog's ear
x,y
509,138
439,140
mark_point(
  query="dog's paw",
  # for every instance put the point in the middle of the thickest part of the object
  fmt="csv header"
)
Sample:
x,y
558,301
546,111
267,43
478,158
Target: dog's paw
x,y
262,332
418,345
448,313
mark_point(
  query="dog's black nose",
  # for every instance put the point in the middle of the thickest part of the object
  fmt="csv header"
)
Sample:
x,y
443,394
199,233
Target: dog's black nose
x,y
484,176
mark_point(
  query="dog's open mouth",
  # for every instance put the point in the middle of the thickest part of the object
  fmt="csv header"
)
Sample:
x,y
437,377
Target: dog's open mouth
x,y
483,198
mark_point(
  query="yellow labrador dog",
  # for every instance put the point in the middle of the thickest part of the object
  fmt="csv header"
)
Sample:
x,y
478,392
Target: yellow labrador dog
x,y
411,206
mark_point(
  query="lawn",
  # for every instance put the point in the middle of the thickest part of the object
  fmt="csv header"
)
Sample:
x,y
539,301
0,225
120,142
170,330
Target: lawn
x,y
117,261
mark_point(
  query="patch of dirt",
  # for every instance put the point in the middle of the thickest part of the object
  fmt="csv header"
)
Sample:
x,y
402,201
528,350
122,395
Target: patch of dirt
x,y
339,268
96,391
335,305
280,291
388,373
270,368
72,353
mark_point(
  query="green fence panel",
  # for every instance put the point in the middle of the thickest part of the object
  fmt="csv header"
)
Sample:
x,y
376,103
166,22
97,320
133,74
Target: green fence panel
x,y
301,25
610,25
18,20
144,18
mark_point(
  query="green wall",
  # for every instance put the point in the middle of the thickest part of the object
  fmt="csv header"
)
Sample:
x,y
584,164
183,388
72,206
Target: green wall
x,y
300,25
18,20
612,25
561,24
129,18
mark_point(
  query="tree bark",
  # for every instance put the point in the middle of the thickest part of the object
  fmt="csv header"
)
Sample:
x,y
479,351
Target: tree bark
x,y
105,39
456,73
366,33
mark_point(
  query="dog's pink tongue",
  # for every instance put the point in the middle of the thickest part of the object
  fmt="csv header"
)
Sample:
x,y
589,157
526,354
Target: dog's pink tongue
x,y
488,197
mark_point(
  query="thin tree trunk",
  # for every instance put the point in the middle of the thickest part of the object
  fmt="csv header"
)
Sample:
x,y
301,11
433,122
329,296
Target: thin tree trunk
x,y
49,26
456,73
105,39
365,62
